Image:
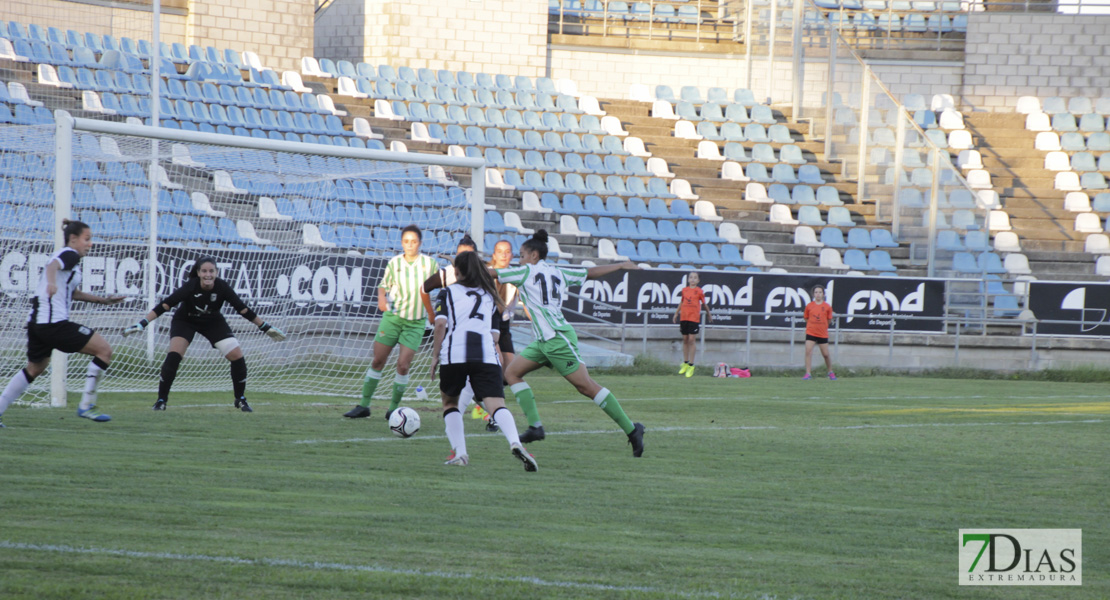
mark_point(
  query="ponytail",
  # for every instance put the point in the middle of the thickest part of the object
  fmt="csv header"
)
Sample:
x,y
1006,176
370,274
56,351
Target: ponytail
x,y
71,228
537,243
471,272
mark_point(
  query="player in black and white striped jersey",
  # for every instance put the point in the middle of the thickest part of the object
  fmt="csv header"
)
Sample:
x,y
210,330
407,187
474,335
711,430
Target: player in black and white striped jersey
x,y
49,327
443,278
502,256
468,316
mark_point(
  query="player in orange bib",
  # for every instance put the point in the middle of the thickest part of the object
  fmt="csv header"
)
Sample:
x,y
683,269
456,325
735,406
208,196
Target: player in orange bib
x,y
817,316
688,317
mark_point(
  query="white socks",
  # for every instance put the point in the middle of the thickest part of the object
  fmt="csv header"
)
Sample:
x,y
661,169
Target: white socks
x,y
453,422
92,377
504,419
14,389
466,397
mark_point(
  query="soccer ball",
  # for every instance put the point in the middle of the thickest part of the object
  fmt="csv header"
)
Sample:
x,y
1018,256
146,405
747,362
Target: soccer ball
x,y
405,422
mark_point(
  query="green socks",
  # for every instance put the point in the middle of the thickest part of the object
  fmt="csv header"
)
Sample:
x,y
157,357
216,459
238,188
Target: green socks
x,y
400,382
369,384
527,401
604,399
608,403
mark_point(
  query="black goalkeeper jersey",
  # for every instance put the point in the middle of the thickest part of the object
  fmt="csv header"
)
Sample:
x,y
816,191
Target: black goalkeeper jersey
x,y
201,306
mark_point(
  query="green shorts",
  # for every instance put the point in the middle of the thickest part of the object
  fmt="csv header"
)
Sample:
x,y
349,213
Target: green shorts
x,y
394,329
560,353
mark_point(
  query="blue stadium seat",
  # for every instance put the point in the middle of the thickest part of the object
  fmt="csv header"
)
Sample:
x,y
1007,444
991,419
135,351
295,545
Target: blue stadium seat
x,y
949,240
783,173
839,216
803,194
860,238
711,255
879,260
810,215
832,237
856,260
668,231
705,232
680,209
883,239
779,193
989,262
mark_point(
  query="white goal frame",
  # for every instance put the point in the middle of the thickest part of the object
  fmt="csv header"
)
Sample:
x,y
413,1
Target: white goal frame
x,y
67,127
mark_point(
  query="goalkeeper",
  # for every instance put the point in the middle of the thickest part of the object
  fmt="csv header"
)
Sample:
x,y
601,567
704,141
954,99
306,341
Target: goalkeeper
x,y
201,298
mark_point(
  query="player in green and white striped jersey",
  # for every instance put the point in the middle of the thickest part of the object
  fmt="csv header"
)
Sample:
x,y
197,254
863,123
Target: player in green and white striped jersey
x,y
543,288
405,309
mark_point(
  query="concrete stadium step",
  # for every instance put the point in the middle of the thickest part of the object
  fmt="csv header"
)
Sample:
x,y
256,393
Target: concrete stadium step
x,y
1061,270
1043,256
1043,230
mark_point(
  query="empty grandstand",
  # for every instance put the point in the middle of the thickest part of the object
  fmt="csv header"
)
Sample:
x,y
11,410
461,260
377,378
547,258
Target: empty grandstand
x,y
726,136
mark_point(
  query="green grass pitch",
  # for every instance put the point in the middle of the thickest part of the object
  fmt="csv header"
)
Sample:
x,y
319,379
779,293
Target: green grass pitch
x,y
768,487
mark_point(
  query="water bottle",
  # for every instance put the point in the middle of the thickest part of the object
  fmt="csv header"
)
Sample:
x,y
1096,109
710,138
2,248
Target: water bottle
x,y
421,394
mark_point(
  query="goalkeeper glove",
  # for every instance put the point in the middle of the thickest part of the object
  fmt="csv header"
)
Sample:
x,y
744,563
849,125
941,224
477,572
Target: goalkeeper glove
x,y
275,334
136,328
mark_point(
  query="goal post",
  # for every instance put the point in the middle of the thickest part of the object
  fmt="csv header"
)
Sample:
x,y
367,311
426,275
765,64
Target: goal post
x,y
301,231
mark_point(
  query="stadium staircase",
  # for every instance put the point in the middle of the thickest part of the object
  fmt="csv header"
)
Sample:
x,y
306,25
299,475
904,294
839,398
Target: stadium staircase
x,y
1036,209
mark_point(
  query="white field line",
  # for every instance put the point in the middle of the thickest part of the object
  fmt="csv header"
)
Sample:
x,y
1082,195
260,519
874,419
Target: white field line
x,y
817,399
332,566
612,431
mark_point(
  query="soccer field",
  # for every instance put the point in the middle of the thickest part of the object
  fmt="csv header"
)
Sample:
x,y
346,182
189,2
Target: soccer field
x,y
768,487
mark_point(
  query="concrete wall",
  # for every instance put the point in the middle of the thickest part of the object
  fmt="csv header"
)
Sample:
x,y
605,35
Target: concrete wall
x,y
136,24
280,31
495,36
1012,55
771,349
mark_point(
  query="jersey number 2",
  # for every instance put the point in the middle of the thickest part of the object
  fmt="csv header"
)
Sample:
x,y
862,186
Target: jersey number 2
x,y
475,313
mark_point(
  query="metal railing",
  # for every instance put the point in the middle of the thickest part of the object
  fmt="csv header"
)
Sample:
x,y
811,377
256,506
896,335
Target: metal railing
x,y
960,327
661,21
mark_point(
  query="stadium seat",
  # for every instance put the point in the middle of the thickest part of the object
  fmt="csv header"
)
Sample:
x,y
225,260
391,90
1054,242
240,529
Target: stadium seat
x,y
781,214
879,260
830,259
1088,223
840,217
1016,264
806,236
1006,242
810,215
860,238
1097,243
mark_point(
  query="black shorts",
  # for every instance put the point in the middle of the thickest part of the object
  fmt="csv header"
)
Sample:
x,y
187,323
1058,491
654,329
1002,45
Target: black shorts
x,y
819,340
213,330
485,379
689,327
505,342
66,336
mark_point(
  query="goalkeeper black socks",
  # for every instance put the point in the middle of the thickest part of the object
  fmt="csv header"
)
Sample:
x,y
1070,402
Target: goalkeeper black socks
x,y
239,377
169,373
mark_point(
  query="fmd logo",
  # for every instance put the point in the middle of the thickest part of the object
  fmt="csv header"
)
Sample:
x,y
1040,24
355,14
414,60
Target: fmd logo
x,y
793,299
1021,557
1090,318
602,291
875,301
790,299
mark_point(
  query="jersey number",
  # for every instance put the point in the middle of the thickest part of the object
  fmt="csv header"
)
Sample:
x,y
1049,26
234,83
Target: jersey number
x,y
475,313
542,282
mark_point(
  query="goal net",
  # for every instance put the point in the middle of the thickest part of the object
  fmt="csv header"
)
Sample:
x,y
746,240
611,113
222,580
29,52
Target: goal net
x,y
302,232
